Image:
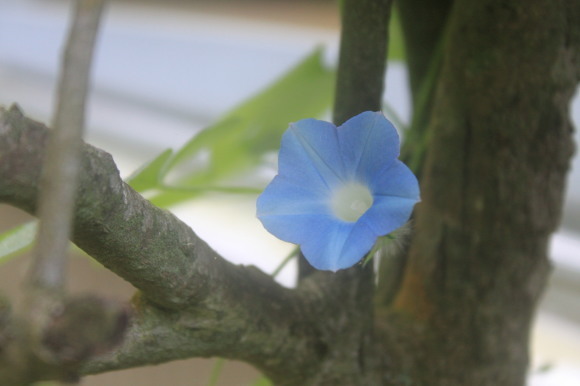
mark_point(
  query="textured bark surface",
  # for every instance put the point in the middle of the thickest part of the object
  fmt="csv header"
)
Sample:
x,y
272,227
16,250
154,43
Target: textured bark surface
x,y
500,145
362,58
192,301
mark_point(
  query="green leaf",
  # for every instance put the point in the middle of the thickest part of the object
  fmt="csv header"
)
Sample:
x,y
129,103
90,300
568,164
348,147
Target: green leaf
x,y
262,381
381,244
396,44
238,141
216,371
17,240
148,176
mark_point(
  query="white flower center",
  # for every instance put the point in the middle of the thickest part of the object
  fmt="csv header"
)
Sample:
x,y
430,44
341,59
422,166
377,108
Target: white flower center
x,y
350,201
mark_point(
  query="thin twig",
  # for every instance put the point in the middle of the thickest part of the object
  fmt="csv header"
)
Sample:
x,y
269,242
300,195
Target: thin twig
x,y
56,202
293,253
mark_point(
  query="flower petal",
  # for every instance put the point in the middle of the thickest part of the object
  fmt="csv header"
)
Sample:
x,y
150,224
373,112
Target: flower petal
x,y
388,214
395,179
299,229
315,160
340,246
309,152
327,244
283,197
359,242
395,193
368,142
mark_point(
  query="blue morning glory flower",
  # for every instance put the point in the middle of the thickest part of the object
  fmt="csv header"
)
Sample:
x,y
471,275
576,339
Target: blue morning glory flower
x,y
338,189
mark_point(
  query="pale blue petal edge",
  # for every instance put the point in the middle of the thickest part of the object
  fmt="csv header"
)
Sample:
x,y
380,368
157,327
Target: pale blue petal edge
x,y
396,179
395,192
309,152
388,214
341,247
368,142
327,244
284,197
300,228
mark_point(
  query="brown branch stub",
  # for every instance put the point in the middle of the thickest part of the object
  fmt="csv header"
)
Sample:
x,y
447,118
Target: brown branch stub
x,y
82,327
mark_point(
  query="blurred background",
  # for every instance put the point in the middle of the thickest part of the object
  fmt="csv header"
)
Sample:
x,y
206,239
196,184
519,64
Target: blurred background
x,y
164,70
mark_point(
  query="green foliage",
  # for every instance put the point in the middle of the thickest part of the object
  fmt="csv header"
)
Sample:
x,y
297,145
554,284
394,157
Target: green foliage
x,y
416,137
238,142
235,145
262,381
148,176
17,240
396,45
216,371
382,243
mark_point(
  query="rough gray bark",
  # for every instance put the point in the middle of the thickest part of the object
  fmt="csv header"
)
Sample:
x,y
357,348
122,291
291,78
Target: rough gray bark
x,y
193,302
493,181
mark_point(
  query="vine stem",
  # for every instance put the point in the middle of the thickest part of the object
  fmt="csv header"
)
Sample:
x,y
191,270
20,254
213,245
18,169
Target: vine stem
x,y
362,59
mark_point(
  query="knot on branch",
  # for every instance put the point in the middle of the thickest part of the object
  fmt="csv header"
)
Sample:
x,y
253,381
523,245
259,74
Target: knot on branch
x,y
78,329
85,326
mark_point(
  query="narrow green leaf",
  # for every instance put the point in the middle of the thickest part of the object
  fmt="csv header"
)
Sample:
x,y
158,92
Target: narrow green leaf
x,y
396,44
148,176
17,240
216,371
262,381
238,141
303,92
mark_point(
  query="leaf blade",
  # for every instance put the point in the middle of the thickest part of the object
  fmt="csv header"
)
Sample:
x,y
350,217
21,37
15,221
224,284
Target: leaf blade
x,y
238,141
17,240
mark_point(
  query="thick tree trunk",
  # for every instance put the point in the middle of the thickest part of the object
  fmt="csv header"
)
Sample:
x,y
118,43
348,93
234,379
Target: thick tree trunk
x,y
493,181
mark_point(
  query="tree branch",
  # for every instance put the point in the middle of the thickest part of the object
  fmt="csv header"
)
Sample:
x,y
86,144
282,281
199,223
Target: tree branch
x,y
60,171
51,334
148,246
362,59
192,301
